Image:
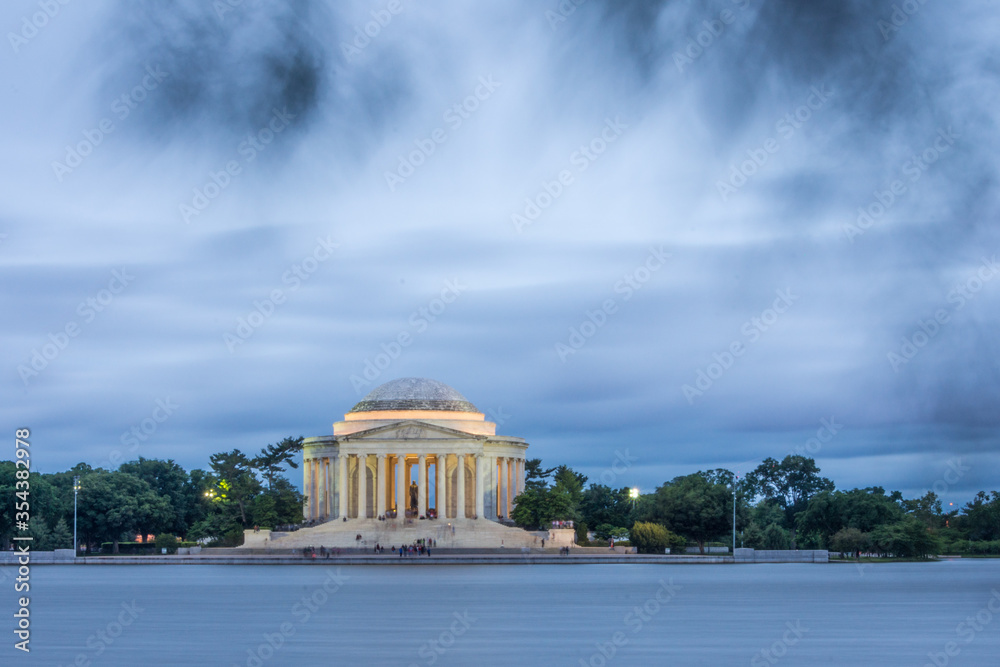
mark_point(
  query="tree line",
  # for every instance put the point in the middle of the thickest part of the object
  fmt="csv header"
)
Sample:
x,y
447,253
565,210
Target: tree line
x,y
783,504
779,505
154,496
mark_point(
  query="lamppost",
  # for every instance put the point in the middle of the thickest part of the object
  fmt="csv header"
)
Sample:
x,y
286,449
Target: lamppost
x,y
633,493
76,492
735,477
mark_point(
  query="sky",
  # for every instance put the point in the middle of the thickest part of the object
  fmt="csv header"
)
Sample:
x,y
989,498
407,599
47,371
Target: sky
x,y
648,237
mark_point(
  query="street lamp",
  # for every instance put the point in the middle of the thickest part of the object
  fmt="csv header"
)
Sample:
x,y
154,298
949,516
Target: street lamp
x,y
633,493
76,492
735,477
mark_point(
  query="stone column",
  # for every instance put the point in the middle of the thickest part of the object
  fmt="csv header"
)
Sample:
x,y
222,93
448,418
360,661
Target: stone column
x,y
331,462
440,494
306,484
380,485
362,486
422,485
401,486
502,510
510,485
480,487
494,508
342,484
321,489
460,505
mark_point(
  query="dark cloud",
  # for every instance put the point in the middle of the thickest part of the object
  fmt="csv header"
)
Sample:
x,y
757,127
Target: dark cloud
x,y
793,224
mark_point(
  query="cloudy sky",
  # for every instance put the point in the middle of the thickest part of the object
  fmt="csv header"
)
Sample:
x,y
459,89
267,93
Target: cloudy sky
x,y
684,235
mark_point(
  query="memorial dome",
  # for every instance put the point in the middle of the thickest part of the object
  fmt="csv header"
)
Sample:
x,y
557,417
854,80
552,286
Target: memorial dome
x,y
414,394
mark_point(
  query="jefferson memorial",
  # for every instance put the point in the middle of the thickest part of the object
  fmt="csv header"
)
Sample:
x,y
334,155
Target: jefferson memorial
x,y
413,458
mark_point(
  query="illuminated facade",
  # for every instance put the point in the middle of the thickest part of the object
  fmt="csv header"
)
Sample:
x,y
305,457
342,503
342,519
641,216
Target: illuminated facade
x,y
412,448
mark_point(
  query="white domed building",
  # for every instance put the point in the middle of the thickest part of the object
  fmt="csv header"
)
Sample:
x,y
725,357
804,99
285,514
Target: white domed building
x,y
413,456
413,447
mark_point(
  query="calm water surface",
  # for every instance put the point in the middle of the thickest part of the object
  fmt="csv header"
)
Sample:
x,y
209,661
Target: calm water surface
x,y
884,614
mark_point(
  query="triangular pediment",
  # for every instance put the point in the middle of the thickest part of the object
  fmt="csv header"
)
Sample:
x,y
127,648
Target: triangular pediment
x,y
411,429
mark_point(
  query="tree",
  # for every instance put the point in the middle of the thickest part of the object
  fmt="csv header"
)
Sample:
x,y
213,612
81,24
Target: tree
x,y
791,483
775,537
535,477
653,538
982,516
601,504
850,540
692,507
907,538
540,504
113,504
236,480
272,459
169,480
61,538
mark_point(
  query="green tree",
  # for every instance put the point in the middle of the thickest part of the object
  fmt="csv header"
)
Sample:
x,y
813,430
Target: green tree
x,y
601,504
850,540
236,481
169,480
653,538
775,537
753,536
116,504
61,537
982,517
536,477
693,507
792,482
273,458
907,538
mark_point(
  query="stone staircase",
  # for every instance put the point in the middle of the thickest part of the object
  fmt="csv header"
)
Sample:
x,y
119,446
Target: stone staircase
x,y
449,534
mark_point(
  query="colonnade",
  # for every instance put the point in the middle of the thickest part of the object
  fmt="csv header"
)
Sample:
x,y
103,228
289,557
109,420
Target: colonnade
x,y
371,485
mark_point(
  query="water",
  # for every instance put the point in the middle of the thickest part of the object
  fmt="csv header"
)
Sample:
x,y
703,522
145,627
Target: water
x,y
837,614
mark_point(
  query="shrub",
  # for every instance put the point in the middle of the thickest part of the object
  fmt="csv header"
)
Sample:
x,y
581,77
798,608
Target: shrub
x,y
652,538
166,541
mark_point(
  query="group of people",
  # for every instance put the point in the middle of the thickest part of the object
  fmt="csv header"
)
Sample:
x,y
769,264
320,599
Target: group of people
x,y
415,549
